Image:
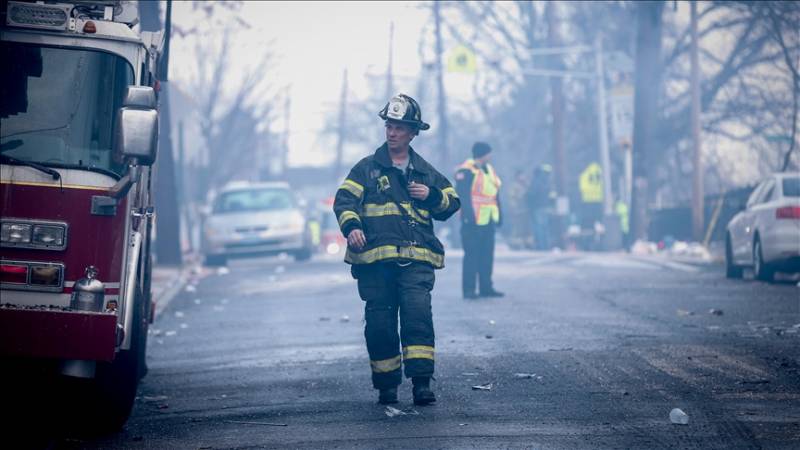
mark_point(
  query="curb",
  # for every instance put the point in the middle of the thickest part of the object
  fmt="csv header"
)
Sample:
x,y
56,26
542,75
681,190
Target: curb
x,y
164,297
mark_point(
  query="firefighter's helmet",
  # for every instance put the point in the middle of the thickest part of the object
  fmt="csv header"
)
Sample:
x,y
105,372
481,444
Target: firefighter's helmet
x,y
404,109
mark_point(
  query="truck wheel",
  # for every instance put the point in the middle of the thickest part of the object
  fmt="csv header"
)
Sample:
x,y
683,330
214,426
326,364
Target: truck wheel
x,y
113,389
731,269
761,270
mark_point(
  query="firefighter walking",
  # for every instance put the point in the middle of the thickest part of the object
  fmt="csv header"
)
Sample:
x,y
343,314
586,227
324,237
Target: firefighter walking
x,y
386,208
478,185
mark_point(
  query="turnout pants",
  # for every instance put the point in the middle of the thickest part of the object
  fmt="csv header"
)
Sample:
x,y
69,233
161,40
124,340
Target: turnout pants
x,y
391,291
478,242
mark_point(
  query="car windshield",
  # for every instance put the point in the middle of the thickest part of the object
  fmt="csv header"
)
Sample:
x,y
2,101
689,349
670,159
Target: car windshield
x,y
791,187
59,105
271,199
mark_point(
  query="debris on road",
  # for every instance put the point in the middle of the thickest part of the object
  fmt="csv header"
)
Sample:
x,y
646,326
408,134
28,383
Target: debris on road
x,y
394,412
470,374
184,326
344,319
678,417
715,312
492,322
170,333
223,271
483,387
191,288
527,376
269,424
489,336
324,319
154,398
179,314
197,301
218,308
684,313
563,349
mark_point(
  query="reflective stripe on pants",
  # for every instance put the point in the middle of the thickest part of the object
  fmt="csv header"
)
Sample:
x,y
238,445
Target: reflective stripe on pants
x,y
397,296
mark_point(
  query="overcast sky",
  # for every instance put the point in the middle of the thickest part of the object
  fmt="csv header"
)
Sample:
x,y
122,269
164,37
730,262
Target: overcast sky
x,y
315,42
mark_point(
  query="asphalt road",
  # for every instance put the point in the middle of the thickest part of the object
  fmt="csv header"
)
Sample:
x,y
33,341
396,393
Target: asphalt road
x,y
270,354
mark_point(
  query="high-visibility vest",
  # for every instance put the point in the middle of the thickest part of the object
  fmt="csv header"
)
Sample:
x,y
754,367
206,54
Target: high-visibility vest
x,y
485,186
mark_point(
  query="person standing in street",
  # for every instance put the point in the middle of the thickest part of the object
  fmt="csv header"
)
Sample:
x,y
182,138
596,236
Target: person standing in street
x,y
478,184
540,200
386,208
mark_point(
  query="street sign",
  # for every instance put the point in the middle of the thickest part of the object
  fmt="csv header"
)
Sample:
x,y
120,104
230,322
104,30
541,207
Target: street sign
x,y
591,184
622,113
462,60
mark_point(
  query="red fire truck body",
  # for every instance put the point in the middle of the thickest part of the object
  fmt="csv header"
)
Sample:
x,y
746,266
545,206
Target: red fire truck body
x,y
78,136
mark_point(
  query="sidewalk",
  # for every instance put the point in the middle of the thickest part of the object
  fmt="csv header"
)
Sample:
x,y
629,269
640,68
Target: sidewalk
x,y
167,282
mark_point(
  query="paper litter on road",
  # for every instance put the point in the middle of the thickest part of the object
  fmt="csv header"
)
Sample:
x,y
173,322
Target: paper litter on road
x,y
170,333
345,318
154,398
223,271
197,301
483,387
191,288
184,326
525,375
684,313
470,374
492,322
179,314
394,412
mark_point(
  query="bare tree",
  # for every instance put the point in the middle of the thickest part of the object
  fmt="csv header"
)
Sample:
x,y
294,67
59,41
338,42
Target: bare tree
x,y
238,103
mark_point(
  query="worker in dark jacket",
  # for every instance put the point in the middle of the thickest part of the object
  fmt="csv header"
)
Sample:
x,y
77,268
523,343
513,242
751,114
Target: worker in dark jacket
x,y
479,187
386,208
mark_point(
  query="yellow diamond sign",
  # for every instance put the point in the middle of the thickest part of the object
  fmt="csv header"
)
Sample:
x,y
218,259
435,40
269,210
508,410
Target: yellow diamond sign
x,y
462,60
591,184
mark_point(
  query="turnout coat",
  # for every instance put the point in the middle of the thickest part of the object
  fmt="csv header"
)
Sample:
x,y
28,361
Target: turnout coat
x,y
374,198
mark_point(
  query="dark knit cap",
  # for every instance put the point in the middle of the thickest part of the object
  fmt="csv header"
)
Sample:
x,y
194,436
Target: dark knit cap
x,y
480,149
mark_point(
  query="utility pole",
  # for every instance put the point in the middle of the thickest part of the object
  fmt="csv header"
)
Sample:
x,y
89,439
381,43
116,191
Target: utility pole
x,y
337,165
168,249
613,234
287,108
442,132
556,102
697,179
389,75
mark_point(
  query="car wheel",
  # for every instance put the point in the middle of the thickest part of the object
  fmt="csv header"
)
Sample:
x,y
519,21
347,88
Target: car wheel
x,y
215,260
761,270
302,255
731,269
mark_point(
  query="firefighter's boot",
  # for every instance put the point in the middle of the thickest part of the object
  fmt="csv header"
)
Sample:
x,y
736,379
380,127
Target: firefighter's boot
x,y
423,395
387,396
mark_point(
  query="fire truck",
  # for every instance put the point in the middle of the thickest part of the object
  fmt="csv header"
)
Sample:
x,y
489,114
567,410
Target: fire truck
x,y
78,139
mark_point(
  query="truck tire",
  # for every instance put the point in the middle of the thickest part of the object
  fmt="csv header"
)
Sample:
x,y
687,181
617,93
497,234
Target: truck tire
x,y
113,390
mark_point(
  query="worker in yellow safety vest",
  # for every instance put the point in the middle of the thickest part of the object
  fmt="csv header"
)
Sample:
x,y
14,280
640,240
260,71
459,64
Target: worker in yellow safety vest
x,y
478,186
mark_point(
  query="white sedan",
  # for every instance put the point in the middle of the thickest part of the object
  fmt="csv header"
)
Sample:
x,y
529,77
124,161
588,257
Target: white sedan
x,y
766,234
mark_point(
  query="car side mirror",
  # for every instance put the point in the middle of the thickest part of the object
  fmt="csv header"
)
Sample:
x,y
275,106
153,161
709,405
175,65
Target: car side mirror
x,y
136,135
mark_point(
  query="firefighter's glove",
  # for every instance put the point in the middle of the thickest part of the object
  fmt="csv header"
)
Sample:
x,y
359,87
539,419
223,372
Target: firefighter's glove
x,y
418,191
356,239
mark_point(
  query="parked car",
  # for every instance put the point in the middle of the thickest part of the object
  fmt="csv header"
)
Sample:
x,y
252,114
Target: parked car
x,y
766,234
255,219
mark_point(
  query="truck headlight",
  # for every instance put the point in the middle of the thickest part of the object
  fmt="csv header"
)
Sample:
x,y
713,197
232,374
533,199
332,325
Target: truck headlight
x,y
15,233
48,235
